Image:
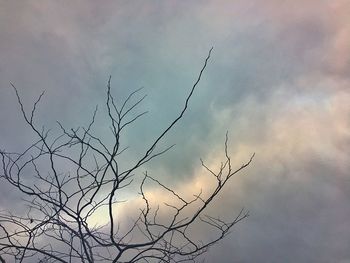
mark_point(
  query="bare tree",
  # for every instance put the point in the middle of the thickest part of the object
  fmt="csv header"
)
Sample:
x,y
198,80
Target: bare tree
x,y
55,227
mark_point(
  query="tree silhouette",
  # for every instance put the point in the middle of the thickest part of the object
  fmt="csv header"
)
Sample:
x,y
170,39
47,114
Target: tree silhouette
x,y
76,175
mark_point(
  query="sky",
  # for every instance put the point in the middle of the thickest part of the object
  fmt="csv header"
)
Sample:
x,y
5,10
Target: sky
x,y
278,81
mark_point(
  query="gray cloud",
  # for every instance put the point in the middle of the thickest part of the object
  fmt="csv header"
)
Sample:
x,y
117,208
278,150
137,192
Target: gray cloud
x,y
277,81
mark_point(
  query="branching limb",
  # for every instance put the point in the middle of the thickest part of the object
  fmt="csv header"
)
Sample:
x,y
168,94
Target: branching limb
x,y
70,178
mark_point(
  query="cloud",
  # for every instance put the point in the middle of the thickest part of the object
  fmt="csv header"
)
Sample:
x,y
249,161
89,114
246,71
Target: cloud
x,y
278,81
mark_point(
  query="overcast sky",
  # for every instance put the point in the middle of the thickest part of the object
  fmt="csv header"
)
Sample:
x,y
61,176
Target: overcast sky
x,y
278,81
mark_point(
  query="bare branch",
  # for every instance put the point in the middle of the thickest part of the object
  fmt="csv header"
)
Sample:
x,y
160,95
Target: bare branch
x,y
68,180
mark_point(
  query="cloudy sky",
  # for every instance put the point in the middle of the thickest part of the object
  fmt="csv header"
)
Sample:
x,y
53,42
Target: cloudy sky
x,y
278,81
